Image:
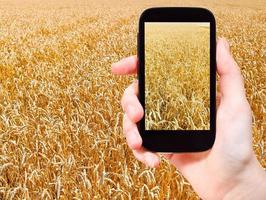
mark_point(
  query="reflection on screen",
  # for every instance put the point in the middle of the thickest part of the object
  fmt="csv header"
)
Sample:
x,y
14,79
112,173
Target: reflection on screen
x,y
177,67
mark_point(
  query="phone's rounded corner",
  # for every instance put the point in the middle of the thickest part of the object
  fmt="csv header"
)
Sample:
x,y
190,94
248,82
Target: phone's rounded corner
x,y
210,144
143,14
208,11
206,148
146,12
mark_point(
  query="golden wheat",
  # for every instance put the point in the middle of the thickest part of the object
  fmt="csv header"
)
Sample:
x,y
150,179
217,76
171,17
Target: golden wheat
x,y
177,76
60,116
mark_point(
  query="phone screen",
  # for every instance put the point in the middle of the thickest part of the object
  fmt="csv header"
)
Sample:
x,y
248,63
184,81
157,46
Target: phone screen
x,y
177,75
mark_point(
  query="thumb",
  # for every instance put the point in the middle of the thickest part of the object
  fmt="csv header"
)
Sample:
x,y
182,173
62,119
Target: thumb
x,y
231,81
234,116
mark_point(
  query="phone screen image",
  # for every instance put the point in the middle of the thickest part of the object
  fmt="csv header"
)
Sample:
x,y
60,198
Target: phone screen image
x,y
177,75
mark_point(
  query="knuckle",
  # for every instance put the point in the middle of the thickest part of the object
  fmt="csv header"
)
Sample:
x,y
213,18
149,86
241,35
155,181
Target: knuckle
x,y
127,90
239,104
126,130
124,100
243,107
130,143
126,125
236,109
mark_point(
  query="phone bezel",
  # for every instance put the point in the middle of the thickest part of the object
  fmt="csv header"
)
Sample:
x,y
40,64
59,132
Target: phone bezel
x,y
177,140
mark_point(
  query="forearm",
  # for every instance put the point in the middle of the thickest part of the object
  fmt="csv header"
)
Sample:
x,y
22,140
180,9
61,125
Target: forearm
x,y
252,185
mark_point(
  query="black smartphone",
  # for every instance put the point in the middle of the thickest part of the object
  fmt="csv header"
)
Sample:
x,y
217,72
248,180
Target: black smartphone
x,y
177,79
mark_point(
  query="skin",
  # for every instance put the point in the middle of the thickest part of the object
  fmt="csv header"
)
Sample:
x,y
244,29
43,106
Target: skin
x,y
230,169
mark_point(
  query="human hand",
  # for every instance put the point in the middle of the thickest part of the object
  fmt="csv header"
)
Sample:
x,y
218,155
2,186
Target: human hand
x,y
230,169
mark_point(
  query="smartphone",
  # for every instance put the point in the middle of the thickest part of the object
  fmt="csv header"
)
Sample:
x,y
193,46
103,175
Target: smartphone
x,y
177,79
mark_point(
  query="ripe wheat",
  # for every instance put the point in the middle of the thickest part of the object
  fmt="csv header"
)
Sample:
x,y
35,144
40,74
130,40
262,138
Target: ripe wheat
x,y
60,116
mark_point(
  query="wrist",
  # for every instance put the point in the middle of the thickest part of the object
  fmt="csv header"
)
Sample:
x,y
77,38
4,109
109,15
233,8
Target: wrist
x,y
251,184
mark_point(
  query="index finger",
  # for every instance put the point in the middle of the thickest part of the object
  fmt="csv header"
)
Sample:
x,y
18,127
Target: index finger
x,y
127,65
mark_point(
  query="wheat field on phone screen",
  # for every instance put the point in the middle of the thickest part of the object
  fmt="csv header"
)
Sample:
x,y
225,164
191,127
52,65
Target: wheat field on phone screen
x,y
177,65
61,131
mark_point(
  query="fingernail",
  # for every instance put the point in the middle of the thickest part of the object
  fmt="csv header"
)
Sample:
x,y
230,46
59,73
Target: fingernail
x,y
132,138
114,64
152,161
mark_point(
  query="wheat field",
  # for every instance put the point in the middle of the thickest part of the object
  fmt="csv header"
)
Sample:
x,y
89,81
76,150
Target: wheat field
x,y
177,65
60,115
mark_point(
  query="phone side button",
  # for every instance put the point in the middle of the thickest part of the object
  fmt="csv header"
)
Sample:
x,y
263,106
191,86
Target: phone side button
x,y
138,42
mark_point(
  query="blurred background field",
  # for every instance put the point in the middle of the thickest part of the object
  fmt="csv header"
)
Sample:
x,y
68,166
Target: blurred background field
x,y
60,116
